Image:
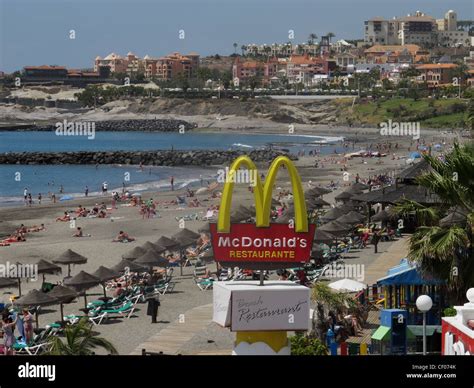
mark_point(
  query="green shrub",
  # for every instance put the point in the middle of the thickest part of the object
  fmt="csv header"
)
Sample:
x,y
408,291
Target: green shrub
x,y
304,345
449,312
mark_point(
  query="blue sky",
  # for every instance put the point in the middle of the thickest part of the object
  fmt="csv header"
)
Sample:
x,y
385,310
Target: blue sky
x,y
36,32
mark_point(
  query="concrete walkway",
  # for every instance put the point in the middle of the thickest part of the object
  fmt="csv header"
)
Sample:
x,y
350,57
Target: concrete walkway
x,y
176,334
378,268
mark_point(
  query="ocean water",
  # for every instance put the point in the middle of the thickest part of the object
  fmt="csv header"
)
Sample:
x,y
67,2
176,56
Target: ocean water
x,y
136,141
47,179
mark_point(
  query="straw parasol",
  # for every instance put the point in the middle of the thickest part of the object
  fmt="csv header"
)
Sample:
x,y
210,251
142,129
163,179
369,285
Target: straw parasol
x,y
7,283
131,265
156,247
105,274
360,186
344,196
134,253
336,228
384,215
63,295
70,257
332,214
239,215
317,191
151,259
45,267
455,217
323,236
36,298
186,233
351,218
205,228
167,243
184,242
82,282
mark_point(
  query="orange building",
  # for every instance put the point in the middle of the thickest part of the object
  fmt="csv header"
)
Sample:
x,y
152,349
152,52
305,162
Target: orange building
x,y
436,74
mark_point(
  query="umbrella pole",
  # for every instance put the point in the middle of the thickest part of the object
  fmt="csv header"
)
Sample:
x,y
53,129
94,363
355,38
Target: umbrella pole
x,y
62,312
181,262
19,286
85,299
37,317
103,286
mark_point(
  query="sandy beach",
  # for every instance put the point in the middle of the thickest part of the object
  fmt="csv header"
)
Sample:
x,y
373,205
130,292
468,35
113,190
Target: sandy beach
x,y
127,334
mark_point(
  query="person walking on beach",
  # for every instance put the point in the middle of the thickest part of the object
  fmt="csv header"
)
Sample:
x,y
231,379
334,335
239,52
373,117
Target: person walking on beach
x,y
86,192
152,308
61,189
28,325
30,200
172,183
40,197
25,195
8,326
53,197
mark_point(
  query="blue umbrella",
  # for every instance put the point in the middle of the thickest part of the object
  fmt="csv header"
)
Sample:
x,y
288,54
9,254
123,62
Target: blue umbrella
x,y
438,146
415,155
65,198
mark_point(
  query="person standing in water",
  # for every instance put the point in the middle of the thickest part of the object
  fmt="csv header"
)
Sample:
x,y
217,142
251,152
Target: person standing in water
x,y
172,183
86,192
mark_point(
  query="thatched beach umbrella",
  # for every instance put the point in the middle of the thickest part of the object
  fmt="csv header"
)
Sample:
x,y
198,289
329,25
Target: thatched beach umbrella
x,y
351,218
384,215
323,236
7,283
63,295
150,259
332,214
184,242
82,282
156,247
344,196
167,243
239,215
36,299
45,267
320,202
105,274
317,191
360,186
336,228
189,234
205,228
131,265
135,253
70,257
455,217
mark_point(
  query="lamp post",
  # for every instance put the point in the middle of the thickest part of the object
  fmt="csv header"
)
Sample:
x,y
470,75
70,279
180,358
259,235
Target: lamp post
x,y
424,304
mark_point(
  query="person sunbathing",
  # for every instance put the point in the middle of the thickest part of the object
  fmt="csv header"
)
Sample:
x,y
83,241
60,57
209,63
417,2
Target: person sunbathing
x,y
123,237
66,217
81,211
16,237
22,229
36,228
102,214
194,203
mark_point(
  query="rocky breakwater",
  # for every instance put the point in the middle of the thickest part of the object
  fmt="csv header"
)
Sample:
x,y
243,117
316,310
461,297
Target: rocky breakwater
x,y
153,125
154,158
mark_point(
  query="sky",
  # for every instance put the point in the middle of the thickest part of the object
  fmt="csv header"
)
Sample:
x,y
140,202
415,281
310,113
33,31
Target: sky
x,y
37,32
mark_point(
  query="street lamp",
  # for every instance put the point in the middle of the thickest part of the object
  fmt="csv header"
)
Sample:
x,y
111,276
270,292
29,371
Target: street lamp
x,y
424,304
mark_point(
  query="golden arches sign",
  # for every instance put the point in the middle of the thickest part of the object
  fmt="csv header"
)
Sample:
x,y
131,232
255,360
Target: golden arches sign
x,y
263,194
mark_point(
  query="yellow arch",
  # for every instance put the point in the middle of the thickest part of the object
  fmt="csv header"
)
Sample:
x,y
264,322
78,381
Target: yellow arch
x,y
263,195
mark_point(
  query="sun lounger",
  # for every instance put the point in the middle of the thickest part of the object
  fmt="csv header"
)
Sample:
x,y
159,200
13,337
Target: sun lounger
x,y
126,310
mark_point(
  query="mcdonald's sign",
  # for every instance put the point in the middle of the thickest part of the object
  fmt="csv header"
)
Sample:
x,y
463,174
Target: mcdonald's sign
x,y
263,245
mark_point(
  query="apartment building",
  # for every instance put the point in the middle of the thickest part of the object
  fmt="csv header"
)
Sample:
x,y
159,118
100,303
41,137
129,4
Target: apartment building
x,y
436,74
165,68
410,53
417,29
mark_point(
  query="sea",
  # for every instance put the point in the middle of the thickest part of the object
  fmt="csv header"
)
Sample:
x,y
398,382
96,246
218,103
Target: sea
x,y
70,181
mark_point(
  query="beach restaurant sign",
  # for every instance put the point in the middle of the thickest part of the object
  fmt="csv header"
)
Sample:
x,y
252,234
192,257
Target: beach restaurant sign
x,y
245,306
263,245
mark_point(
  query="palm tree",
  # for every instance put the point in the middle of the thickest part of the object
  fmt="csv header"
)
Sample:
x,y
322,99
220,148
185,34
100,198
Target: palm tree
x,y
330,35
311,38
235,47
444,249
80,341
243,48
